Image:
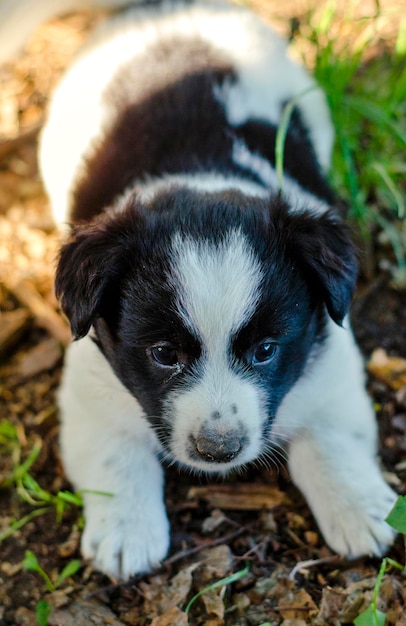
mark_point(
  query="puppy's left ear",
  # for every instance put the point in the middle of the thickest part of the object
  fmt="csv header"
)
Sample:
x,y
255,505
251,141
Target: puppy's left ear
x,y
324,249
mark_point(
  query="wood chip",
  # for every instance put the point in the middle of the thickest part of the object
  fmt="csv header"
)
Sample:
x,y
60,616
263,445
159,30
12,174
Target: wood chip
x,y
240,496
25,134
175,594
84,612
390,369
12,327
45,316
171,617
297,604
214,606
42,357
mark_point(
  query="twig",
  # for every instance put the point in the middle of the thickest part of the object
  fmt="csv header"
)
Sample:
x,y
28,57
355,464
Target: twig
x,y
45,316
210,544
12,326
311,563
8,145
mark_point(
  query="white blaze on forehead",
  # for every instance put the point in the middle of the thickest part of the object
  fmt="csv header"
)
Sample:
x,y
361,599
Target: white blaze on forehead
x,y
218,286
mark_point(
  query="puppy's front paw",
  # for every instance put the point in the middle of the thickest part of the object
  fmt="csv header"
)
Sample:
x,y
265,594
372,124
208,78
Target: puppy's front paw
x,y
358,527
123,539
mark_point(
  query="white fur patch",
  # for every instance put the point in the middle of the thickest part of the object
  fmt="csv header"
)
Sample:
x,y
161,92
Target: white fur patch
x,y
208,181
237,400
329,419
109,447
218,286
218,289
296,196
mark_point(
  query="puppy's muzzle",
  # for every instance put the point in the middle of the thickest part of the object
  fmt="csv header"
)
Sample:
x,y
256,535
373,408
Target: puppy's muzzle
x,y
215,448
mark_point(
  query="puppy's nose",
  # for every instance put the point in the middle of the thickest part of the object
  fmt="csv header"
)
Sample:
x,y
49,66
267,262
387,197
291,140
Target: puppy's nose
x,y
218,448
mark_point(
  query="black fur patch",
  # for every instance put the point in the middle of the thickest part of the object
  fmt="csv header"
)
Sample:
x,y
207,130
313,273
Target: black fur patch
x,y
168,121
300,160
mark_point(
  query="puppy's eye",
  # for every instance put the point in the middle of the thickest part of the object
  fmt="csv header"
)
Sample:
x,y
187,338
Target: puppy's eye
x,y
164,355
263,352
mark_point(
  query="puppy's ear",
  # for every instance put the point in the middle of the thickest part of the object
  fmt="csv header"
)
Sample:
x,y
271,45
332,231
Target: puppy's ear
x,y
90,266
322,246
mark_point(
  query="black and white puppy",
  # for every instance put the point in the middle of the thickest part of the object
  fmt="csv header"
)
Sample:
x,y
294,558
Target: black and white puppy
x,y
209,309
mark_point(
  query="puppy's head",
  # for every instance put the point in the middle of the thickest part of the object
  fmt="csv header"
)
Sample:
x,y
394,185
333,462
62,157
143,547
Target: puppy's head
x,y
207,307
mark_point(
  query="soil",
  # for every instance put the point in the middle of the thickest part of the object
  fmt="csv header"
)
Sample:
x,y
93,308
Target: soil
x,y
259,521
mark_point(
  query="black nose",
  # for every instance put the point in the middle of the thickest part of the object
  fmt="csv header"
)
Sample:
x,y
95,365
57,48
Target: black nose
x,y
218,449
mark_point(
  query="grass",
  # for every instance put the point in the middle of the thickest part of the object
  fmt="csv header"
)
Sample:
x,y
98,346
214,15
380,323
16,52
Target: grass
x,y
372,616
19,478
43,607
363,73
223,582
31,564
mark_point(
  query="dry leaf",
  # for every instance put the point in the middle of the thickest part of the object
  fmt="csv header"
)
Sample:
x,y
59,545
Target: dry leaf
x,y
331,606
172,617
241,602
25,617
311,537
60,597
69,547
240,496
214,621
44,314
41,358
179,587
12,327
297,604
215,563
162,596
213,604
83,613
215,520
390,369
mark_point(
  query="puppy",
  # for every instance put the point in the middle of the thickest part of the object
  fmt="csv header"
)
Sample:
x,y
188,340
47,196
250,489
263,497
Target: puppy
x,y
208,302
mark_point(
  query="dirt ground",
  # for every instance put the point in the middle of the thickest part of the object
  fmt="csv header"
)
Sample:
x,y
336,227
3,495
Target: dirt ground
x,y
259,521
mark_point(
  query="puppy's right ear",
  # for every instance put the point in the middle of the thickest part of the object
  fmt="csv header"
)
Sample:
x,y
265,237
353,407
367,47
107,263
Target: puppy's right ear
x,y
90,263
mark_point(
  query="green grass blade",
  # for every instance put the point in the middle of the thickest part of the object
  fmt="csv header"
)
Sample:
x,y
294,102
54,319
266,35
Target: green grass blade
x,y
400,45
395,192
70,498
69,570
31,564
42,612
377,115
282,132
218,583
14,526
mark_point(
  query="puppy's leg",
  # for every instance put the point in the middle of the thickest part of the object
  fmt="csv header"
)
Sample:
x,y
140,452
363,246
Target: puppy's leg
x,y
107,446
345,490
332,458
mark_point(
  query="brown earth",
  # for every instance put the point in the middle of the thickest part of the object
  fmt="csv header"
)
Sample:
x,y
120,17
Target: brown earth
x,y
259,520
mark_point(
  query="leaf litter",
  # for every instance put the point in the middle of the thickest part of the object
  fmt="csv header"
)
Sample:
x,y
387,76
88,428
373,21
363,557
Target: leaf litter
x,y
257,524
